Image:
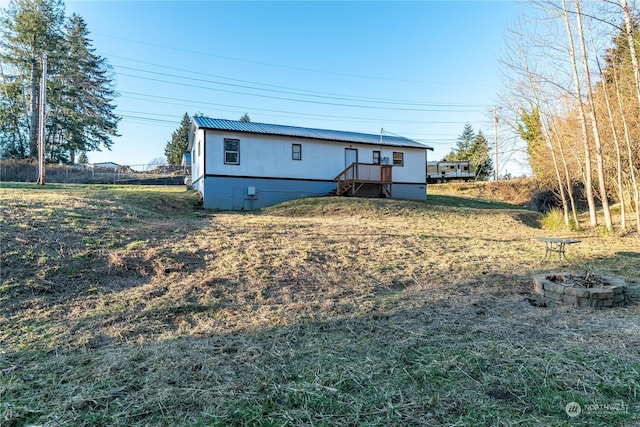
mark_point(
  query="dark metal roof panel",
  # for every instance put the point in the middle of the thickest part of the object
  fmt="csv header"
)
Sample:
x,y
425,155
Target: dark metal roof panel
x,y
300,132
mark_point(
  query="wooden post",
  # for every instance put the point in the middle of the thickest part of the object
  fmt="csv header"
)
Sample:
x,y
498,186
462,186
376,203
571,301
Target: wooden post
x,y
495,141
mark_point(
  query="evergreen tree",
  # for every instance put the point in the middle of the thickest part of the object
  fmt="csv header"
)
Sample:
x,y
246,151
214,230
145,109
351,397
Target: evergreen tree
x,y
480,158
29,29
474,149
83,159
14,141
85,120
79,92
463,145
245,118
177,146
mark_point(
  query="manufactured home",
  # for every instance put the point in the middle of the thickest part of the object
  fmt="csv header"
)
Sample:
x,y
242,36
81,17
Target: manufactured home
x,y
244,165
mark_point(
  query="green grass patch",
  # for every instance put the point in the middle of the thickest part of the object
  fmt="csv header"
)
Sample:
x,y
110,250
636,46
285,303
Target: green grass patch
x,y
554,221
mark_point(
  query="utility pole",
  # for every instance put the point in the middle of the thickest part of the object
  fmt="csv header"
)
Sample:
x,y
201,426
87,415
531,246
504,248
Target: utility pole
x,y
43,103
495,141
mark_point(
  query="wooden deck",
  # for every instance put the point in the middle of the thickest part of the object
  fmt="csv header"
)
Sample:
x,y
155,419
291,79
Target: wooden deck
x,y
357,175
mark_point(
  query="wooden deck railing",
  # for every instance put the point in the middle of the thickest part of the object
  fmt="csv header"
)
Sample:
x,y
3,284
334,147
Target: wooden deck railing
x,y
356,175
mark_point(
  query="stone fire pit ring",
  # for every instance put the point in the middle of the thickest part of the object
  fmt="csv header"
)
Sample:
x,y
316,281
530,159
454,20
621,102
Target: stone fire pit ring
x,y
581,290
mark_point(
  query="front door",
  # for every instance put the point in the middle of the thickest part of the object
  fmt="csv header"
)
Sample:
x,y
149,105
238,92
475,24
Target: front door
x,y
350,156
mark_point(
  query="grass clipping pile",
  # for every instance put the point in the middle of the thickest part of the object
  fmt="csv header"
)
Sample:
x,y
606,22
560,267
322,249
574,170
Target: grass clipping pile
x,y
125,306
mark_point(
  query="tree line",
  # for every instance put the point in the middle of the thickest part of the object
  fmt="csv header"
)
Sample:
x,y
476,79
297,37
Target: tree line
x,y
474,148
574,98
79,91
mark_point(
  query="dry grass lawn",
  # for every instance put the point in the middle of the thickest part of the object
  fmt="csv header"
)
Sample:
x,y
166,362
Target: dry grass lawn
x,y
130,306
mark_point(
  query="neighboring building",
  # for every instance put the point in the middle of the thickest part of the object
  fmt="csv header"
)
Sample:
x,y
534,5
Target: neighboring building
x,y
245,165
443,171
109,165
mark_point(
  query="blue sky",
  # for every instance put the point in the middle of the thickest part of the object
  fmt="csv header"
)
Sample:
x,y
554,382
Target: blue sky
x,y
418,69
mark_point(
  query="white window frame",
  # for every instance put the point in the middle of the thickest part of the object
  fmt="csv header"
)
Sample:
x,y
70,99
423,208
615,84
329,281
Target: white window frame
x,y
236,151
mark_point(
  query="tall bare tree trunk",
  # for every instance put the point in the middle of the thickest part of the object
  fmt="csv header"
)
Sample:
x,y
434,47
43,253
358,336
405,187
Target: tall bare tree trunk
x,y
636,77
632,46
567,175
593,219
549,138
595,127
563,197
627,137
616,142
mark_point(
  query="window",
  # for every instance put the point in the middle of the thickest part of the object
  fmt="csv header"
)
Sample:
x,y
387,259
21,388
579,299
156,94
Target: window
x,y
398,159
376,157
231,151
296,151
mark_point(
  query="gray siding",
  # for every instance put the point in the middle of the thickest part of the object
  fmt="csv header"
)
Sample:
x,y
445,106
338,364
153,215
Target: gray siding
x,y
410,191
229,193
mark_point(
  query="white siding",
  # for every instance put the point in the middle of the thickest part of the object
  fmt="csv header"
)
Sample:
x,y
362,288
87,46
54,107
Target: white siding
x,y
271,157
197,156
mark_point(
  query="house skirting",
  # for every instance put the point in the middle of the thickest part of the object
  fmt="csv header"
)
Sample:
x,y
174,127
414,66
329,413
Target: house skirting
x,y
410,191
248,193
232,193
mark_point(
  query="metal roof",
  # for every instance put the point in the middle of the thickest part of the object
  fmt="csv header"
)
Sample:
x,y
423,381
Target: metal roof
x,y
300,132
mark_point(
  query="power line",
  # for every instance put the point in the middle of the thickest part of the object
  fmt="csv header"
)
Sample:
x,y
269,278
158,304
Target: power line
x,y
148,119
195,104
280,98
250,61
204,81
285,89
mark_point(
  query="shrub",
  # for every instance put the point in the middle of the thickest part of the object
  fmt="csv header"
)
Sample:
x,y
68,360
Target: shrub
x,y
554,220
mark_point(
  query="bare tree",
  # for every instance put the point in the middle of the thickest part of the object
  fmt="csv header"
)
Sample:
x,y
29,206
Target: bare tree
x,y
588,116
593,220
616,142
604,199
568,177
636,75
632,45
630,159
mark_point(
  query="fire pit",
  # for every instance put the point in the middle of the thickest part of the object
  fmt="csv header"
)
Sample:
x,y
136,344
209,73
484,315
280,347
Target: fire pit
x,y
581,290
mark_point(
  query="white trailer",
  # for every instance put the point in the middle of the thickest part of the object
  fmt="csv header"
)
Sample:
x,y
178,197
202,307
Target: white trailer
x,y
444,171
